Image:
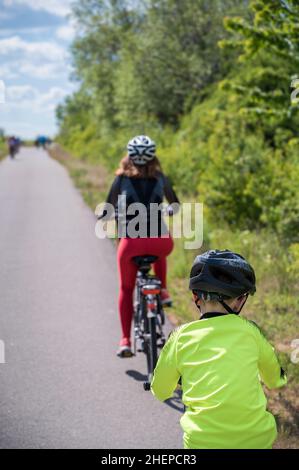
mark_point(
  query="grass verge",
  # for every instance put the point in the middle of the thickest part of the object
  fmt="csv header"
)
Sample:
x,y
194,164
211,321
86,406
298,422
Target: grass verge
x,y
3,150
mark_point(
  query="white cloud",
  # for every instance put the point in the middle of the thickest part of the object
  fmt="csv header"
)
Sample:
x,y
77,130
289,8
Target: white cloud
x,y
66,33
7,72
34,30
29,111
21,94
51,98
56,7
25,68
42,71
35,50
20,97
39,59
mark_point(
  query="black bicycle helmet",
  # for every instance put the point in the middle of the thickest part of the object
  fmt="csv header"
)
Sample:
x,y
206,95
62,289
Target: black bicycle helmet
x,y
219,275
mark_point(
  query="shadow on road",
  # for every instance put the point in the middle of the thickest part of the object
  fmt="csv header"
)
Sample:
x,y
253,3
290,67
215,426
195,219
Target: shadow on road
x,y
175,402
134,374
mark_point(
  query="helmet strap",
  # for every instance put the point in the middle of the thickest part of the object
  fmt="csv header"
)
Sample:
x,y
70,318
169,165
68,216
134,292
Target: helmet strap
x,y
197,298
229,309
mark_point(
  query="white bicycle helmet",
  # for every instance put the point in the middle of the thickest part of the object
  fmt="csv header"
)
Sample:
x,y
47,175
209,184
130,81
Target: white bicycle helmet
x,y
141,150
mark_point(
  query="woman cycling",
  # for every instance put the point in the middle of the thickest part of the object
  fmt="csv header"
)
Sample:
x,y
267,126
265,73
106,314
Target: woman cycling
x,y
140,180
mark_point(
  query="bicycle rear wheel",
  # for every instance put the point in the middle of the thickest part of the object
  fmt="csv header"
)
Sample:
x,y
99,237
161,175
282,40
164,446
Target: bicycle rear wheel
x,y
151,349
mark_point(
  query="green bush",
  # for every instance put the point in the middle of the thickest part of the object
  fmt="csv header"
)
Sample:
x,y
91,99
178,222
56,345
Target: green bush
x,y
3,148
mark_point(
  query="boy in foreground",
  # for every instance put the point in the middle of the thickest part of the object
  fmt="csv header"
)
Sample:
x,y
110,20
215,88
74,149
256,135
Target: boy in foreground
x,y
220,359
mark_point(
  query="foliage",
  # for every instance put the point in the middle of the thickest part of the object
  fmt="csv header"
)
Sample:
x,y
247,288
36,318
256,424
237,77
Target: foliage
x,y
153,60
3,147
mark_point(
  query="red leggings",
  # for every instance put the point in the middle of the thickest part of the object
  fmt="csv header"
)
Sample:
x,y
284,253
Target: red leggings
x,y
128,248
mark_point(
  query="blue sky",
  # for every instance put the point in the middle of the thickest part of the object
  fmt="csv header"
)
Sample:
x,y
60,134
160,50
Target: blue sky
x,y
35,36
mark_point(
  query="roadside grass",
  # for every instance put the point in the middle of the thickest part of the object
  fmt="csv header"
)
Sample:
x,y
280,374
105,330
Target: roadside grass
x,y
92,180
275,307
3,149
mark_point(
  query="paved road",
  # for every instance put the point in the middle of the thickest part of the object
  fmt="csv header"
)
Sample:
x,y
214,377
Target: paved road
x,y
62,385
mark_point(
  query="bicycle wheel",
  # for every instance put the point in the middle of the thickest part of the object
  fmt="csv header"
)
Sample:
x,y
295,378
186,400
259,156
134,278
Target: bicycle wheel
x,y
153,343
151,349
136,318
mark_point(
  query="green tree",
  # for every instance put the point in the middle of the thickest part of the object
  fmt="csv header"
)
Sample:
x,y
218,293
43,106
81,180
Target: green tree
x,y
153,60
173,59
103,26
256,132
270,44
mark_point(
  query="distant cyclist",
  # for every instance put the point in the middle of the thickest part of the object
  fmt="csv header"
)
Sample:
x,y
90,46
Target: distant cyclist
x,y
140,179
13,146
41,141
220,359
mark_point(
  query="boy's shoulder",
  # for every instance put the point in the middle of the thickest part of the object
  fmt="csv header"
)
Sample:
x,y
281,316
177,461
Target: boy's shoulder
x,y
177,331
182,328
197,324
250,323
254,326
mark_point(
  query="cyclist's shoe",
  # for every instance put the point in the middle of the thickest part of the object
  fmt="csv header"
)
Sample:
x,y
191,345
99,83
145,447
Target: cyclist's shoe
x,y
165,298
125,352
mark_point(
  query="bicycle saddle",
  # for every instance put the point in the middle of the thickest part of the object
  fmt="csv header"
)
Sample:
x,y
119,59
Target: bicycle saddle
x,y
145,260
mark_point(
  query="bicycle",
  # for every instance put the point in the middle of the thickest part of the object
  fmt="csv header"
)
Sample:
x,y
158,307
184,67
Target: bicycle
x,y
149,317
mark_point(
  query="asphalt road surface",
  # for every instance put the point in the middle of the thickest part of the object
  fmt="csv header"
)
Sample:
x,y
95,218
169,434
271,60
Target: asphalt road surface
x,y
62,385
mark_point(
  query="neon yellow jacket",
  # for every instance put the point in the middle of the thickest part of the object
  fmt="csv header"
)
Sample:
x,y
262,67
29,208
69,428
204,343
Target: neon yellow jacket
x,y
221,361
